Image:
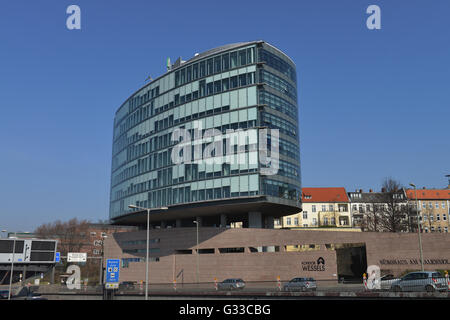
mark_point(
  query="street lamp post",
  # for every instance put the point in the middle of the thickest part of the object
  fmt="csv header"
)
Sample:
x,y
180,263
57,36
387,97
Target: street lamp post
x,y
418,225
102,259
148,242
196,222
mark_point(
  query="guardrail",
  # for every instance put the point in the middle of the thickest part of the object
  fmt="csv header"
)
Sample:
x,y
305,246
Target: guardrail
x,y
320,288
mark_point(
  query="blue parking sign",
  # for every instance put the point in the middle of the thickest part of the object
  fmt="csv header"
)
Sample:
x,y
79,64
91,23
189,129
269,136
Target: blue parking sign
x,y
57,256
112,270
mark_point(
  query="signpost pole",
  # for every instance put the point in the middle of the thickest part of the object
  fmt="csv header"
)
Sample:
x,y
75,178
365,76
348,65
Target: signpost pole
x,y
12,268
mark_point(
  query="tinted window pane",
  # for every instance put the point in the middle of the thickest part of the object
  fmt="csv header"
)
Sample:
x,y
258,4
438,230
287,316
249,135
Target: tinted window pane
x,y
225,61
195,71
233,58
202,69
188,74
209,66
217,64
242,57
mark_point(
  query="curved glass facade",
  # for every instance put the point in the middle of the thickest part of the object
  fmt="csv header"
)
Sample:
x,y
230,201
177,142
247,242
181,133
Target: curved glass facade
x,y
247,86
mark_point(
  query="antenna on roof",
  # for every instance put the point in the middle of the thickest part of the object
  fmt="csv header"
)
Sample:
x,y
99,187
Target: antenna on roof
x,y
148,78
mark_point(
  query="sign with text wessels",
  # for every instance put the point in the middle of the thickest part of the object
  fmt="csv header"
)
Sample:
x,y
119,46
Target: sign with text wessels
x,y
316,265
76,257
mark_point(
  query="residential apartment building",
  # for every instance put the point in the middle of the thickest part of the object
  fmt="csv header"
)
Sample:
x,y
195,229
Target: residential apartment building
x,y
368,208
433,207
322,207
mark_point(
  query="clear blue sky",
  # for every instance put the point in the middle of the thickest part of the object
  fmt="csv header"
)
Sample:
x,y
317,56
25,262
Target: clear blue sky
x,y
372,103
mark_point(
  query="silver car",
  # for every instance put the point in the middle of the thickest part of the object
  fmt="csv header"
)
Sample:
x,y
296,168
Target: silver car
x,y
231,284
429,281
386,281
301,284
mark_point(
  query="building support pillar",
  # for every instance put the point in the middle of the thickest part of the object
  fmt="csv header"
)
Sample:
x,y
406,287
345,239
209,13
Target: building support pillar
x,y
178,223
223,220
254,220
269,222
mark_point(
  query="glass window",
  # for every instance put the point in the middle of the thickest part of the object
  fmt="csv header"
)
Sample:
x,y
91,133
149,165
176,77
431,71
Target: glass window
x,y
226,192
242,80
217,86
195,71
202,88
233,82
177,78
189,74
202,69
209,88
250,78
250,55
225,62
225,84
217,193
209,66
242,57
217,64
183,76
233,58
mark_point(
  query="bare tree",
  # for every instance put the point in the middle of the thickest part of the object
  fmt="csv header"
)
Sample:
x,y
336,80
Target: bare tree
x,y
72,235
393,213
372,217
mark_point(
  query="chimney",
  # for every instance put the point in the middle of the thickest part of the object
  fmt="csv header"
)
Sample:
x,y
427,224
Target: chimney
x,y
424,188
370,190
360,190
383,189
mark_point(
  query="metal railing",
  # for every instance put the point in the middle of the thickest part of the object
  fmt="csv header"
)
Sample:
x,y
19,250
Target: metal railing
x,y
436,287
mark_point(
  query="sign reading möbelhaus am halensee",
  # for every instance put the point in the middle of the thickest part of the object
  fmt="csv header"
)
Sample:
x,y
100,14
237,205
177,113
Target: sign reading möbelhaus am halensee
x,y
413,261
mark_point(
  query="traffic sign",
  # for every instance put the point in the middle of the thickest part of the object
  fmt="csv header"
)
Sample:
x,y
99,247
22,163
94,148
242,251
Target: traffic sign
x,y
112,271
76,257
57,256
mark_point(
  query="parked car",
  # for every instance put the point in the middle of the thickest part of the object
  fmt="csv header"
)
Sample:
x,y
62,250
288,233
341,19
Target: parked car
x,y
231,284
4,294
429,281
127,285
386,281
301,284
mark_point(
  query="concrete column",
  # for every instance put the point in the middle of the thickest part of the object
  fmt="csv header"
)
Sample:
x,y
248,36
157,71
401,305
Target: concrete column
x,y
163,224
254,220
178,223
199,221
270,222
52,279
223,220
24,274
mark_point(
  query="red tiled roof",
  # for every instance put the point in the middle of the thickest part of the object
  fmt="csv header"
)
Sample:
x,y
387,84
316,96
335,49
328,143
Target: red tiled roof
x,y
324,195
432,194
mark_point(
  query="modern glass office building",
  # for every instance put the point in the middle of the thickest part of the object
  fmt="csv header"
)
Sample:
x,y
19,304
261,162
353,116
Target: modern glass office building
x,y
249,86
